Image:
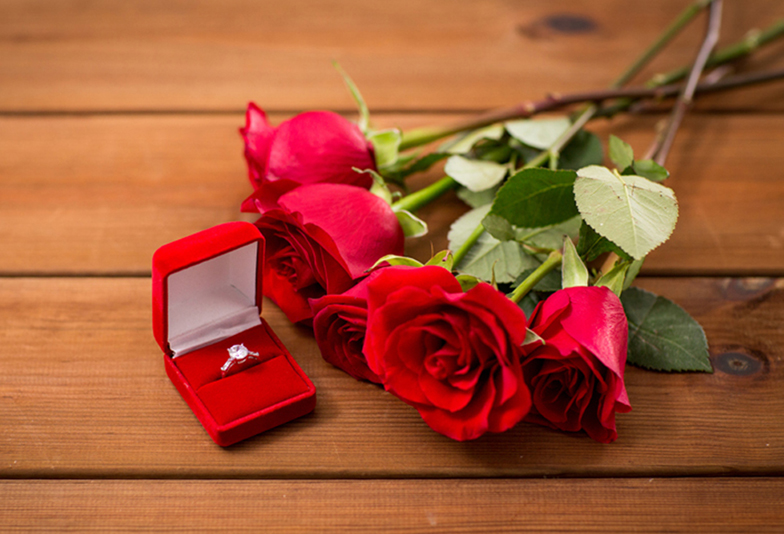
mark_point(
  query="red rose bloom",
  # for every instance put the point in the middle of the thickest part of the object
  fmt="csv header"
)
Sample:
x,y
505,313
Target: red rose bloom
x,y
320,239
339,324
312,147
453,356
576,377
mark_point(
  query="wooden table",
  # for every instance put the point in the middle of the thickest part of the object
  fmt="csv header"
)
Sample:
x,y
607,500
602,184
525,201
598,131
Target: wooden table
x,y
118,133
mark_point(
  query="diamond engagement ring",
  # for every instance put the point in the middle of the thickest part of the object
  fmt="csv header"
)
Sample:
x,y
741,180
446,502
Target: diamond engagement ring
x,y
240,358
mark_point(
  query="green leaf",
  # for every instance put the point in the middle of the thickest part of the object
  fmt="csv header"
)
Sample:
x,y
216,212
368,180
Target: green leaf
x,y
539,133
583,150
620,153
662,335
393,260
478,198
533,198
614,279
499,228
591,245
443,259
507,259
467,282
386,144
364,114
551,237
574,273
650,170
631,211
465,143
474,174
412,225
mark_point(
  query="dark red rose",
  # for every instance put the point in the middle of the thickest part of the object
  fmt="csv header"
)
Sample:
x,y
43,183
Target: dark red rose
x,y
576,377
320,239
453,356
339,324
312,147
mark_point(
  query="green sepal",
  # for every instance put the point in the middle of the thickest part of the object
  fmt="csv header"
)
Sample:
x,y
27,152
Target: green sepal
x,y
379,187
631,274
444,259
364,114
386,144
614,279
394,260
412,225
574,273
532,337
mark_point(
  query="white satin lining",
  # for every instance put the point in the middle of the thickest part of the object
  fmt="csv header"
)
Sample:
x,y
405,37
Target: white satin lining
x,y
213,300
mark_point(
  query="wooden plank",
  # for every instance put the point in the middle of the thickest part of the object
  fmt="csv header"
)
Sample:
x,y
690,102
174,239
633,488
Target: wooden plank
x,y
99,194
631,505
84,394
451,55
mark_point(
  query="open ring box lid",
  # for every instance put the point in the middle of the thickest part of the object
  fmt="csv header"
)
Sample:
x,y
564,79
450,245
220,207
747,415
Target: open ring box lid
x,y
206,296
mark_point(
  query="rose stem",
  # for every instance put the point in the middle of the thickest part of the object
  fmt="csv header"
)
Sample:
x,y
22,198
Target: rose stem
x,y
754,40
686,98
662,144
422,197
553,260
413,201
669,33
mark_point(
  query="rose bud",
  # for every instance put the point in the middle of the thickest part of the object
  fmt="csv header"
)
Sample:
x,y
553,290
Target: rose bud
x,y
312,147
319,239
576,377
453,356
339,324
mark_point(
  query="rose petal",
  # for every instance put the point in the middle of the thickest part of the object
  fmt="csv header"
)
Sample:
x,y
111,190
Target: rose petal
x,y
258,136
606,316
320,147
362,226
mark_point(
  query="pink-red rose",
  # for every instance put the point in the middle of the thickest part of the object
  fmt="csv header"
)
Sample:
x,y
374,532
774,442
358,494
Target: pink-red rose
x,y
576,377
339,324
319,239
312,147
453,356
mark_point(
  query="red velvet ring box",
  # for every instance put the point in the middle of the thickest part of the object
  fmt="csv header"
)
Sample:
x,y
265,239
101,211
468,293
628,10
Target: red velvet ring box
x,y
206,297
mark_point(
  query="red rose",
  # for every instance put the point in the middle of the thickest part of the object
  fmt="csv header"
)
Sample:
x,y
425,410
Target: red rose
x,y
339,324
453,356
576,377
320,239
312,147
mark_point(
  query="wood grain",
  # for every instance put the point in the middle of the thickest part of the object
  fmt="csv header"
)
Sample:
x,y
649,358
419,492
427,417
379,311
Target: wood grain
x,y
633,505
98,194
84,394
148,55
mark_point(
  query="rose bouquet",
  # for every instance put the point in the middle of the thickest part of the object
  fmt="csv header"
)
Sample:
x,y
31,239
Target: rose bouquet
x,y
530,315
